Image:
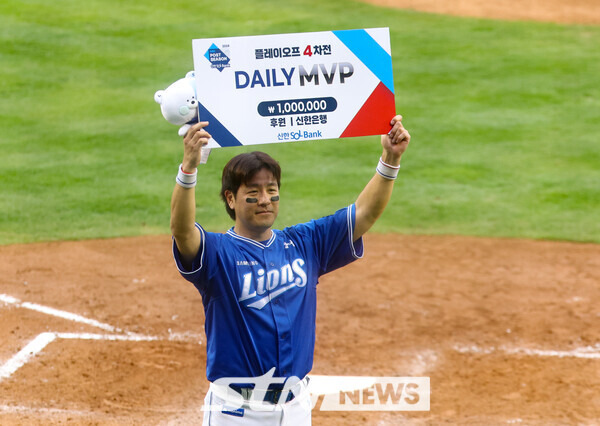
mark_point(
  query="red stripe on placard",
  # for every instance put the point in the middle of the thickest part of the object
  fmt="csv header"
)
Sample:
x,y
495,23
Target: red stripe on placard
x,y
374,116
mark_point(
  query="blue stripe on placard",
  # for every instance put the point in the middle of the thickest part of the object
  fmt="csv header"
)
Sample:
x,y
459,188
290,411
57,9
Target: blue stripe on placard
x,y
219,133
370,53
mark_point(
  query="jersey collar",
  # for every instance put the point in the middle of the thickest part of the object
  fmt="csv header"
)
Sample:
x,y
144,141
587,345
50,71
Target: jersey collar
x,y
262,245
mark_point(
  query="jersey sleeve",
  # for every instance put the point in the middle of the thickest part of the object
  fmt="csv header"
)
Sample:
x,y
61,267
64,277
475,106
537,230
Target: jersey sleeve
x,y
198,273
332,239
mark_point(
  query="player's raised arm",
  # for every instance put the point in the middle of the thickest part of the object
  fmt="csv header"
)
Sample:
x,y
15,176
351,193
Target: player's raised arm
x,y
183,202
374,198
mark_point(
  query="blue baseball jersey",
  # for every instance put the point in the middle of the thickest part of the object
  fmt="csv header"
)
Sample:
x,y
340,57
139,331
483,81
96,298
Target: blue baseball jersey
x,y
260,298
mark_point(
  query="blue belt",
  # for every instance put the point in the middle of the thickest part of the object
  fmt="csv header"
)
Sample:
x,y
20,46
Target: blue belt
x,y
272,396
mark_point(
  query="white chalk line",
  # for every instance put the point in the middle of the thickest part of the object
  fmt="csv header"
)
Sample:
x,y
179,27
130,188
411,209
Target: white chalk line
x,y
16,409
58,313
587,352
42,340
25,354
37,345
114,337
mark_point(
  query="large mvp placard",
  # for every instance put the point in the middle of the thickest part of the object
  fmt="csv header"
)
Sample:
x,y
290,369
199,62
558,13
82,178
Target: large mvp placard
x,y
295,87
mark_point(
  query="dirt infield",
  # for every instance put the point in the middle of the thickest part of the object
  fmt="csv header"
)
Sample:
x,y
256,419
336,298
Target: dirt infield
x,y
505,329
106,332
564,11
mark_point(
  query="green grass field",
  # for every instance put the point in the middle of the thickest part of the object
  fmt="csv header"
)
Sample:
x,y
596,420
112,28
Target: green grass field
x,y
504,117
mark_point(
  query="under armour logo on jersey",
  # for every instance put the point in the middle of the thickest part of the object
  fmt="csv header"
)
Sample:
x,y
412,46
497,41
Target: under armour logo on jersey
x,y
273,283
287,245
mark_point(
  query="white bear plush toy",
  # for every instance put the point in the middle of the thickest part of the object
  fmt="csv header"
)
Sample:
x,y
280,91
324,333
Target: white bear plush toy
x,y
179,105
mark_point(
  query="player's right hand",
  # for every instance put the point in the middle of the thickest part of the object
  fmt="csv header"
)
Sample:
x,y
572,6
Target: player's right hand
x,y
195,138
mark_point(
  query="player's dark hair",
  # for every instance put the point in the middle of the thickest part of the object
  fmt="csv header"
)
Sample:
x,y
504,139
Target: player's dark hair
x,y
241,169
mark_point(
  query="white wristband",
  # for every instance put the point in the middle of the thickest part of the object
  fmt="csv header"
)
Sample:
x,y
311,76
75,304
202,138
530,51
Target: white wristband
x,y
387,171
187,180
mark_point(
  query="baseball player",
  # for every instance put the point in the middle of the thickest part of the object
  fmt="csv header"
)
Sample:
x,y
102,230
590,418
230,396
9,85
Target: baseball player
x,y
258,284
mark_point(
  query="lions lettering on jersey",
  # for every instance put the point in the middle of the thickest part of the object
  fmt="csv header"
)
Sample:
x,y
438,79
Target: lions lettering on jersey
x,y
238,278
276,281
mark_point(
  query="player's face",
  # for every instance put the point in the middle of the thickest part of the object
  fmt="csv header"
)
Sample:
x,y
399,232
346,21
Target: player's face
x,y
255,209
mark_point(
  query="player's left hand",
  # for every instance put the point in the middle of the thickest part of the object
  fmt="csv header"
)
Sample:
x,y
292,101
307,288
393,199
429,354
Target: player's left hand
x,y
396,141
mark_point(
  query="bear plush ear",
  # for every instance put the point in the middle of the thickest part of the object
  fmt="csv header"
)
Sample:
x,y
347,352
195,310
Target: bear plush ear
x,y
158,96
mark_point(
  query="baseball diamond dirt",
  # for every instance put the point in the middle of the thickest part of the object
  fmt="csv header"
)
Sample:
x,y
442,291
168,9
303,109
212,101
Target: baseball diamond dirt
x,y
565,11
107,332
